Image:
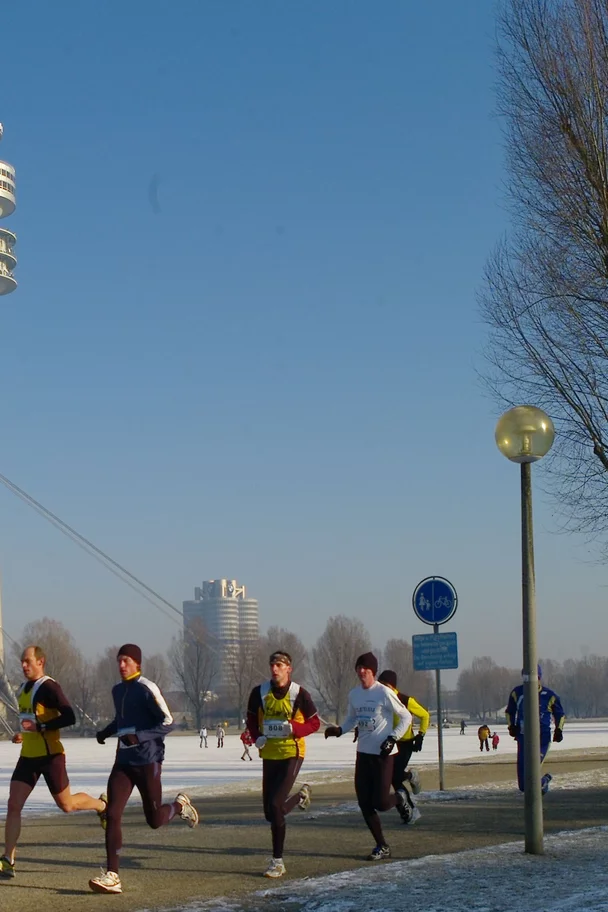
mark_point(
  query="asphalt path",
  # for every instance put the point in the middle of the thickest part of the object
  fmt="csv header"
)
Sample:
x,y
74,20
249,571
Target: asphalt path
x,y
227,853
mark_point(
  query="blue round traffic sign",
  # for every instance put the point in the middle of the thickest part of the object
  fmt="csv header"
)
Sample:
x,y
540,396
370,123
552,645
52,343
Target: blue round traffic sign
x,y
434,600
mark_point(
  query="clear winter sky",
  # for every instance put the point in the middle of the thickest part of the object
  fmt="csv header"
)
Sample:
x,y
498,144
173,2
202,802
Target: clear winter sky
x,y
250,236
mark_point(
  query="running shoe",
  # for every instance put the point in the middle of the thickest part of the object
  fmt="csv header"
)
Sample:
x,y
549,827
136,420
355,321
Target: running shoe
x,y
188,811
103,814
106,883
305,797
380,852
415,782
276,868
414,816
545,783
402,805
6,868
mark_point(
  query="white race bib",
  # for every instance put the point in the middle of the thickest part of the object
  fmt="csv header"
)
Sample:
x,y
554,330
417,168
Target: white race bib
x,y
275,728
26,717
366,723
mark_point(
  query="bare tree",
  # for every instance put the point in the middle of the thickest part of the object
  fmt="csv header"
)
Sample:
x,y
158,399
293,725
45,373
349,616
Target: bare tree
x,y
280,638
545,297
484,688
399,657
105,676
84,694
244,667
157,669
194,666
333,661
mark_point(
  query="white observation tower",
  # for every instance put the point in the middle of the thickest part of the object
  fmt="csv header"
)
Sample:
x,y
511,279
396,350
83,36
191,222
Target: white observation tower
x,y
8,203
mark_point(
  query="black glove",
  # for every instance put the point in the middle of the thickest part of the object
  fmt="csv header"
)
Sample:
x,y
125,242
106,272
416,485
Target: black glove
x,y
333,731
514,730
417,742
100,738
129,740
558,735
356,734
387,746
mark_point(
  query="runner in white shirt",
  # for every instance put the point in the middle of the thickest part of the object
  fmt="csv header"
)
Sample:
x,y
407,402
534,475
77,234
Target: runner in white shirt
x,y
372,707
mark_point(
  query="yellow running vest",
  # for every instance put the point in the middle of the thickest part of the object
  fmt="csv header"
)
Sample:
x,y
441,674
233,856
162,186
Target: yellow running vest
x,y
37,744
272,716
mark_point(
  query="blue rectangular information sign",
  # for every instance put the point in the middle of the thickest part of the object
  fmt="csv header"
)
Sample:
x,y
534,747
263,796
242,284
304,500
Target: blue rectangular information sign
x,y
435,650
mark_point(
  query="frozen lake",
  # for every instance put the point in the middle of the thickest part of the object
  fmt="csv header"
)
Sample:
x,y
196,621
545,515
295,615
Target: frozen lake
x,y
199,770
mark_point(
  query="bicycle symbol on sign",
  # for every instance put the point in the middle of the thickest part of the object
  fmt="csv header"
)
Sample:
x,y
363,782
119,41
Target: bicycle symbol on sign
x,y
443,602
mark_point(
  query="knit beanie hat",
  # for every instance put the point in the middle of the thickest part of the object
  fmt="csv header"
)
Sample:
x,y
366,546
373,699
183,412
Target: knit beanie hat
x,y
388,677
131,650
367,660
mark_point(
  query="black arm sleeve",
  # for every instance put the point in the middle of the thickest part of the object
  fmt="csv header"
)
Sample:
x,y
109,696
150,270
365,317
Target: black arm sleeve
x,y
51,696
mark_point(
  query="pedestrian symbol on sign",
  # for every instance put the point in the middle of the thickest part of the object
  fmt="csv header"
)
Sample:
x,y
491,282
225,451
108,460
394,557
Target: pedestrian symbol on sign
x,y
423,604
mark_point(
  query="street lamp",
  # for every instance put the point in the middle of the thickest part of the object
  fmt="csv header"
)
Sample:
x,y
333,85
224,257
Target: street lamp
x,y
525,434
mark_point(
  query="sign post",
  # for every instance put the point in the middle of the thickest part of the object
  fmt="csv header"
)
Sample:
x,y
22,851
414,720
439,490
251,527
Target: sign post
x,y
435,602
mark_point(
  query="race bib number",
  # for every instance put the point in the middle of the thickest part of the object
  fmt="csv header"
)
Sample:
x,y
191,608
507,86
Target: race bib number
x,y
26,717
274,728
366,724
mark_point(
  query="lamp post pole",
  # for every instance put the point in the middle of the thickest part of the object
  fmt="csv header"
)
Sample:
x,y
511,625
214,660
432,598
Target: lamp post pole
x,y
525,434
533,805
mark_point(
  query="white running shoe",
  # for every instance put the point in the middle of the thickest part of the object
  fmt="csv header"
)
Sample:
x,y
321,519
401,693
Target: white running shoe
x,y
276,868
305,797
415,782
188,811
414,816
402,805
106,883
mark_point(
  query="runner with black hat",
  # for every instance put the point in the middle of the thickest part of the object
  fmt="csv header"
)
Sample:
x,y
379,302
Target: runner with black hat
x,y
141,724
373,708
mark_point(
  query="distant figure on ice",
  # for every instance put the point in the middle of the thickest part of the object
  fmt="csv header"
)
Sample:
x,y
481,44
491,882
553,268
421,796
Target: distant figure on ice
x,y
495,740
463,725
247,742
549,704
203,736
220,736
483,733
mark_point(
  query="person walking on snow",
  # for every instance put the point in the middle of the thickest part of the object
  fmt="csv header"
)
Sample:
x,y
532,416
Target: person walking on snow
x,y
247,742
203,736
495,741
483,733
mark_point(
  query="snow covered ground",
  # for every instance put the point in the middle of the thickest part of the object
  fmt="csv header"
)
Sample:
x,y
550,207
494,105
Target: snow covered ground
x,y
571,876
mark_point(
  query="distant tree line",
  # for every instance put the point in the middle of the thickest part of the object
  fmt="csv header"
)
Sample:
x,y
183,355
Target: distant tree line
x,y
483,689
189,672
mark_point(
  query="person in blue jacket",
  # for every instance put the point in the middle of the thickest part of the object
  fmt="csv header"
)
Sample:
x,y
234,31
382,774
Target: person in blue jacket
x,y
141,723
549,705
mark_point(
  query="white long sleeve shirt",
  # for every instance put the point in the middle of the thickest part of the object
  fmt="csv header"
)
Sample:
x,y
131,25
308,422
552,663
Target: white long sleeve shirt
x,y
373,711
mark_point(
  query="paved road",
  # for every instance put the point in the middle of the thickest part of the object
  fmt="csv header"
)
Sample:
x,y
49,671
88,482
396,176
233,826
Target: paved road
x,y
165,869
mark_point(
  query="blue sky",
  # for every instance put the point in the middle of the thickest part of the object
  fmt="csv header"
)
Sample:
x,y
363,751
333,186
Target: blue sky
x,y
244,342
